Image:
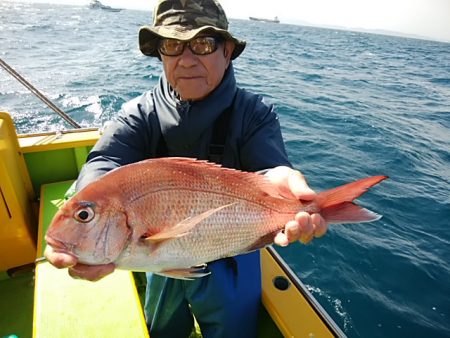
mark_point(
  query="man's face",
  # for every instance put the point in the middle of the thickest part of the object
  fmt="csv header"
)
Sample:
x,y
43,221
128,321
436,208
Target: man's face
x,y
195,76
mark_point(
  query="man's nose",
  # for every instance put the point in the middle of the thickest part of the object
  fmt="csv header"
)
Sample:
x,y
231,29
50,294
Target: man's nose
x,y
187,58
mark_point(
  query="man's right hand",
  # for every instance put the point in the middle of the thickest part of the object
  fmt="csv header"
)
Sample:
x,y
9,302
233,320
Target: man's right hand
x,y
77,270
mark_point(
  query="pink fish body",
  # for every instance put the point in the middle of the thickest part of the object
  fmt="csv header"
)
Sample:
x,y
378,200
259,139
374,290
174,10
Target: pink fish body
x,y
170,215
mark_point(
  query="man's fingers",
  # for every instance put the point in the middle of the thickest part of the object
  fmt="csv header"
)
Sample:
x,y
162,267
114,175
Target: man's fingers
x,y
306,227
291,183
281,239
299,187
91,272
60,260
279,177
310,226
319,224
292,231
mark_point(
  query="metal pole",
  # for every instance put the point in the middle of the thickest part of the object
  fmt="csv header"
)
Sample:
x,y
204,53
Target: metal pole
x,y
39,94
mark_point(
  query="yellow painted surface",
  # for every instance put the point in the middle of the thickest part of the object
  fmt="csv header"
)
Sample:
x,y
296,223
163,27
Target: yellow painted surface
x,y
53,141
51,199
67,307
17,230
289,309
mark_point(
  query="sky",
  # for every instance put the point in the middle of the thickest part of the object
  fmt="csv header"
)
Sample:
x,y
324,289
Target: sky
x,y
421,18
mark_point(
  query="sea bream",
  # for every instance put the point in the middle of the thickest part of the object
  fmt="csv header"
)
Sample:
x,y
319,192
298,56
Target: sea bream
x,y
170,215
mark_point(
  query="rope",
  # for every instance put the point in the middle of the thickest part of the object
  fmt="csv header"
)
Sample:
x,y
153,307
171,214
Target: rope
x,y
36,92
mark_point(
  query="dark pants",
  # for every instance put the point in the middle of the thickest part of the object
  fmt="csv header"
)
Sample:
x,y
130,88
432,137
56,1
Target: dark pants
x,y
225,303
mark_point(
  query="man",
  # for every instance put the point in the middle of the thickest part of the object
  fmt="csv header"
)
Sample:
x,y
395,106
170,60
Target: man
x,y
197,111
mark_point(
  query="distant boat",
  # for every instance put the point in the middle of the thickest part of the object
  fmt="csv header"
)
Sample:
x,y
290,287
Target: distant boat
x,y
274,20
96,4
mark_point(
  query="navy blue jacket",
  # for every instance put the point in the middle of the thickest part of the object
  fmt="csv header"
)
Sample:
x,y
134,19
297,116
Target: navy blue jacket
x,y
253,142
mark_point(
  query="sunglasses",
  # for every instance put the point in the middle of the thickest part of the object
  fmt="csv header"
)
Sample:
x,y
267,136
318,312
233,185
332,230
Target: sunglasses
x,y
203,45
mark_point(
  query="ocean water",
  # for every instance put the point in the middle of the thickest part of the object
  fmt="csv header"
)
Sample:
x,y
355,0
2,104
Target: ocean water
x,y
350,105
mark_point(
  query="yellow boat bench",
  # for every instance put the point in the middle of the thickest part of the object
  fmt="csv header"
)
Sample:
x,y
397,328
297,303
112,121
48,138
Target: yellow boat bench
x,y
67,307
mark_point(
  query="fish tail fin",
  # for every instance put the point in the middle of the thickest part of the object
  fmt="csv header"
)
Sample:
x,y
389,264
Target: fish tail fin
x,y
336,205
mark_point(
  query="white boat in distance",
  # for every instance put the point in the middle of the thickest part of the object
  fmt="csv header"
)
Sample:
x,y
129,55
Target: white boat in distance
x,y
96,4
274,20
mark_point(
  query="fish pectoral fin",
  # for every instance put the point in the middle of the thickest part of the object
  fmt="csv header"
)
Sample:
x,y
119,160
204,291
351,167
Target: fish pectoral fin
x,y
185,226
186,274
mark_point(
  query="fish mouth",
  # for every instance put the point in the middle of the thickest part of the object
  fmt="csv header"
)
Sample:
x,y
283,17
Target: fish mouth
x,y
58,246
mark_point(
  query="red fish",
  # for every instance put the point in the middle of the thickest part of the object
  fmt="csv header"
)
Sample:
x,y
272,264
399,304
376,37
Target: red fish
x,y
171,215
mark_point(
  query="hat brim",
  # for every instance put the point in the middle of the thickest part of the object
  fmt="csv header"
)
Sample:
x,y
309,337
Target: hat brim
x,y
149,37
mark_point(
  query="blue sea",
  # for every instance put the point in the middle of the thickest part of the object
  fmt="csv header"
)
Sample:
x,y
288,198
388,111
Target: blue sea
x,y
350,105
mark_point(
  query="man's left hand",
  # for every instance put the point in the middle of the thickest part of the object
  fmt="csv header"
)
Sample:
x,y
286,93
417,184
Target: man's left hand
x,y
304,227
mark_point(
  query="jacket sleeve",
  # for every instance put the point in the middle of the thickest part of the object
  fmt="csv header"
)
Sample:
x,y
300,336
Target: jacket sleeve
x,y
124,141
262,145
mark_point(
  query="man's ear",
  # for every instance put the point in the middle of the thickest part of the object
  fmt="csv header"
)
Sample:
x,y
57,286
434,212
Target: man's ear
x,y
228,50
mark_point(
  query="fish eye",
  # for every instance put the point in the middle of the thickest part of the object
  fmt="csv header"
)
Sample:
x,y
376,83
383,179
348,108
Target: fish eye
x,y
84,214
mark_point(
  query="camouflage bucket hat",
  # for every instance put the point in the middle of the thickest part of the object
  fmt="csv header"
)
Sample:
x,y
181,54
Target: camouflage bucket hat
x,y
183,20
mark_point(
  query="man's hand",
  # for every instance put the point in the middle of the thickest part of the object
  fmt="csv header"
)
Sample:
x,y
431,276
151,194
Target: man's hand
x,y
304,227
63,260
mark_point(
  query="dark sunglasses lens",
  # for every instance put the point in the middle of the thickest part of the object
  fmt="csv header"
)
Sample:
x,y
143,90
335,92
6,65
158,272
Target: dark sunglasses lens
x,y
203,45
171,47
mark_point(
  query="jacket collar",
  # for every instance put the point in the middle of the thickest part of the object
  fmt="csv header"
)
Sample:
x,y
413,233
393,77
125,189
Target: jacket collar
x,y
183,123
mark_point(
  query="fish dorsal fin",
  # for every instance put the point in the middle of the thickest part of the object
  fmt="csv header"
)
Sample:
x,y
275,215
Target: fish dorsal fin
x,y
184,227
248,180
